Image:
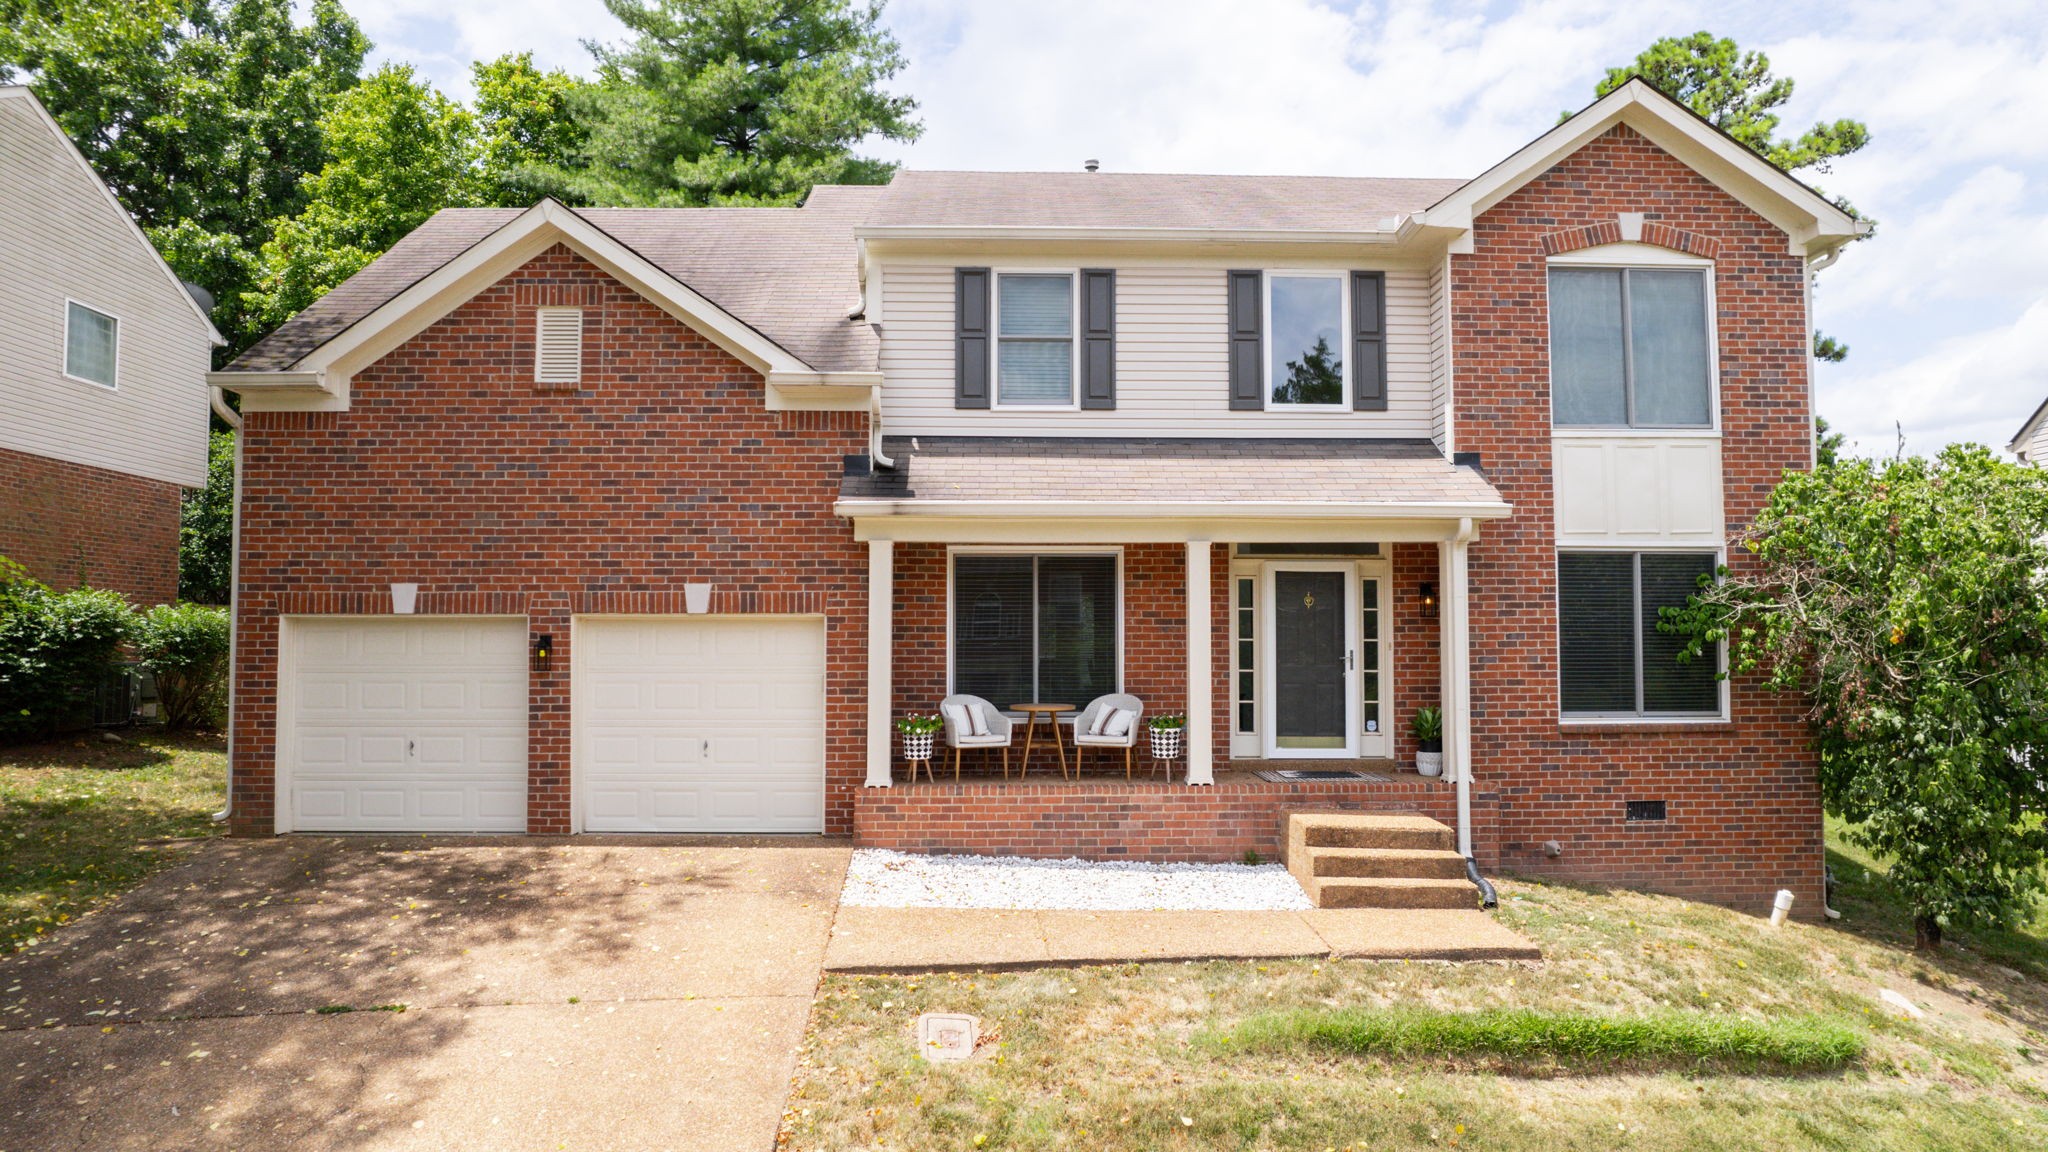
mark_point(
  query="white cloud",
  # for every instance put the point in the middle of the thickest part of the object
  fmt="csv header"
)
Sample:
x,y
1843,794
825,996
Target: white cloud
x,y
1977,385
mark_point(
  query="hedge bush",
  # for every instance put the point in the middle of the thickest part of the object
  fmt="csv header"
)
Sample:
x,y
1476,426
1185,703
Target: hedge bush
x,y
186,646
56,650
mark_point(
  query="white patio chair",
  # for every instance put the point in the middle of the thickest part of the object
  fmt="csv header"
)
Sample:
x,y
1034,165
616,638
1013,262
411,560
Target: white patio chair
x,y
955,711
1126,738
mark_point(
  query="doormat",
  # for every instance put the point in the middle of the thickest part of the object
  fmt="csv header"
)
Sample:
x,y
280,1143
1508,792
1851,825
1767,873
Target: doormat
x,y
1286,775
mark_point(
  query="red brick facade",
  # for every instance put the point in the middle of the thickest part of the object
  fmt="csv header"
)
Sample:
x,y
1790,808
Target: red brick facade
x,y
72,524
1743,804
454,470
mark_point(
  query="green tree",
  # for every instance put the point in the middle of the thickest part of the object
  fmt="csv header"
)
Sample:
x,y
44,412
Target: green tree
x,y
526,134
201,115
399,151
738,102
1316,378
206,529
1906,599
1736,92
1827,443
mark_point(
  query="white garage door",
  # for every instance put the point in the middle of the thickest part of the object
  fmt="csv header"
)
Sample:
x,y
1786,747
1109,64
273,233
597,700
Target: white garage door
x,y
701,724
406,724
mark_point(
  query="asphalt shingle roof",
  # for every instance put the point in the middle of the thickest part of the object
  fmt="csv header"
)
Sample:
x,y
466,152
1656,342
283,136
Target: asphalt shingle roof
x,y
1151,200
1017,469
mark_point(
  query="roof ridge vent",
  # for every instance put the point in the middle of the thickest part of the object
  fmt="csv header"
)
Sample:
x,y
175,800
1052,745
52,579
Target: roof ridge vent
x,y
1091,165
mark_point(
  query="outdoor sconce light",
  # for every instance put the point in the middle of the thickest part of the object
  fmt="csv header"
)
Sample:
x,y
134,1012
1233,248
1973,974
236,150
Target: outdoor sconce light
x,y
1428,595
542,645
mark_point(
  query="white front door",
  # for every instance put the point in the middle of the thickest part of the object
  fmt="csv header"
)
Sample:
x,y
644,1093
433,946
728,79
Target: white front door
x,y
700,723
402,724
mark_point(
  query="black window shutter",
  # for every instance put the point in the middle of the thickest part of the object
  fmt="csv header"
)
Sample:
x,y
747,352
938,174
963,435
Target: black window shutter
x,y
1369,341
1247,382
1098,338
971,338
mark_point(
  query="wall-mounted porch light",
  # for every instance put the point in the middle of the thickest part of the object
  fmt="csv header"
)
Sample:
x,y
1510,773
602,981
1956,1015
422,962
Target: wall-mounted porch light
x,y
543,645
1427,594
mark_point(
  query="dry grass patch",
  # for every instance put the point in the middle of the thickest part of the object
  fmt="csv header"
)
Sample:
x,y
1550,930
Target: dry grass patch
x,y
1115,1058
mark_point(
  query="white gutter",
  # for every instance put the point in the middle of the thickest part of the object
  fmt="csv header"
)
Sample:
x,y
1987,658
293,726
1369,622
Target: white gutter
x,y
233,420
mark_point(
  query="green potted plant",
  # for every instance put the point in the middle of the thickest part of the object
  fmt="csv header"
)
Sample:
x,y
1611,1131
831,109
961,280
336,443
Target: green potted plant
x,y
917,735
1428,729
1166,729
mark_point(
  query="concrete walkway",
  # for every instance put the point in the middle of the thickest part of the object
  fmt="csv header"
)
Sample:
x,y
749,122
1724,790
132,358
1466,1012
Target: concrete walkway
x,y
938,939
614,994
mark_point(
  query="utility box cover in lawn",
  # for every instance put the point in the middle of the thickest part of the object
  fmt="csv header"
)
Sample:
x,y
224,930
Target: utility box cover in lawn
x,y
946,1036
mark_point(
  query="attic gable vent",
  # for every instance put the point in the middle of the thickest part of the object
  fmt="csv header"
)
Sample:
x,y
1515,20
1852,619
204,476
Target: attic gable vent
x,y
558,346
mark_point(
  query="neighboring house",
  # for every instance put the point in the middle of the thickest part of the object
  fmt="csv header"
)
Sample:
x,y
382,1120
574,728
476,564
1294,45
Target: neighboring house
x,y
1296,456
103,359
2031,442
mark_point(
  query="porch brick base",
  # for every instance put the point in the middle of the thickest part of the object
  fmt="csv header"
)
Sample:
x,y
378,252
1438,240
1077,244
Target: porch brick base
x,y
1139,820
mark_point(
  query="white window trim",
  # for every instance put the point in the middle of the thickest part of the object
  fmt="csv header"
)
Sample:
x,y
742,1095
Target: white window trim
x,y
1245,745
1722,713
995,323
64,353
1343,279
539,325
954,550
1605,257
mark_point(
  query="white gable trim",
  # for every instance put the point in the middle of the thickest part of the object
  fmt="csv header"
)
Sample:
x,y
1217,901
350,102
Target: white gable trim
x,y
1813,224
495,256
22,92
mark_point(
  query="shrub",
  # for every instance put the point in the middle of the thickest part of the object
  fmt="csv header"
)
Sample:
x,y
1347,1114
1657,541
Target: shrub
x,y
56,650
186,647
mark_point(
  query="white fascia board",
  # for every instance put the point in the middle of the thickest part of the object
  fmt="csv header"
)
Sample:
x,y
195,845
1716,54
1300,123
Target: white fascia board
x,y
823,391
1390,232
22,92
283,391
1079,530
520,240
1165,510
1810,219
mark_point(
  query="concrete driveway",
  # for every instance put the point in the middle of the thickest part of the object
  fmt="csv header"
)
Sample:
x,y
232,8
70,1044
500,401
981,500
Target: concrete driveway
x,y
596,993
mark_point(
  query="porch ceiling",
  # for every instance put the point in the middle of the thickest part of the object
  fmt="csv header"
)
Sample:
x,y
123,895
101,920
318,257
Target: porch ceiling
x,y
1003,489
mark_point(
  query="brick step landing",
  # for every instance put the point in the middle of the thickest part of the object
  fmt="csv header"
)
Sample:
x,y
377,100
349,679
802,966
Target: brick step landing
x,y
1347,860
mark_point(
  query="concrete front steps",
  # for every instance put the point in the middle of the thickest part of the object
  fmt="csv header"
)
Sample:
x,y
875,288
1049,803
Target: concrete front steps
x,y
1350,860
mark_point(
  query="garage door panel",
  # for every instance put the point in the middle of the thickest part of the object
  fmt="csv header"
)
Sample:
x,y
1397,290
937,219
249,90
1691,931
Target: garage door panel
x,y
408,724
689,724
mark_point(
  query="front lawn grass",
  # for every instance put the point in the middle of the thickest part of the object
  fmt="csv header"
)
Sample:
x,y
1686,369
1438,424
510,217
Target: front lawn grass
x,y
83,820
1310,1056
1526,1039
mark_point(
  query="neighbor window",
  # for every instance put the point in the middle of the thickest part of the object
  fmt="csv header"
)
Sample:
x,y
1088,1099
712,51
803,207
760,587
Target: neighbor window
x,y
92,342
1613,661
1305,339
1030,629
1628,348
1035,339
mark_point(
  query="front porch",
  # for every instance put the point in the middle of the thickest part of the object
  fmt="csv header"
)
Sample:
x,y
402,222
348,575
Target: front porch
x,y
1294,630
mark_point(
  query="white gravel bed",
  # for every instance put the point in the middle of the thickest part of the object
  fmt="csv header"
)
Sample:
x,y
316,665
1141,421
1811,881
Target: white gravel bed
x,y
882,879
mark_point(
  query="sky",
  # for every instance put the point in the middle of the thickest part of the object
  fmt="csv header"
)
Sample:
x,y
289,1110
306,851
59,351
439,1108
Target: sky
x,y
1945,310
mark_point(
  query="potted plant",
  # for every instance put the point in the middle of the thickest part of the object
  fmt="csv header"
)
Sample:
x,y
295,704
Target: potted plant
x,y
917,735
1428,729
1166,730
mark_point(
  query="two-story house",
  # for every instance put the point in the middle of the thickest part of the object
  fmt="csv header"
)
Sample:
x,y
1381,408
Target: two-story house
x,y
103,359
1292,456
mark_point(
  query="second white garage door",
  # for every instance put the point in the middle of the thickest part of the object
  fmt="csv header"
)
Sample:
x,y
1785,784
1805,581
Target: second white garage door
x,y
700,724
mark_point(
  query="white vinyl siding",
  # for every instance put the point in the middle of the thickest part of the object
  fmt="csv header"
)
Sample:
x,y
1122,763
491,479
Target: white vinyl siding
x,y
558,346
65,240
1172,371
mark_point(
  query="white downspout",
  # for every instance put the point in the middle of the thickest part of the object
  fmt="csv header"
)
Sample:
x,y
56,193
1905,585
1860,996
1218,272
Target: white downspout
x,y
1457,591
233,420
875,430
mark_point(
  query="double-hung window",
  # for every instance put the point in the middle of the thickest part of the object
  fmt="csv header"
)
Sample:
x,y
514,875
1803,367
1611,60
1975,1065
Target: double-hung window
x,y
1305,339
1613,662
92,344
1034,628
1629,348
1035,339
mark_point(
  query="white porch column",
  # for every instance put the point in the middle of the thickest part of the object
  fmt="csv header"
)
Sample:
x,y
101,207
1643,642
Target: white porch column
x,y
1201,763
1456,667
881,637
